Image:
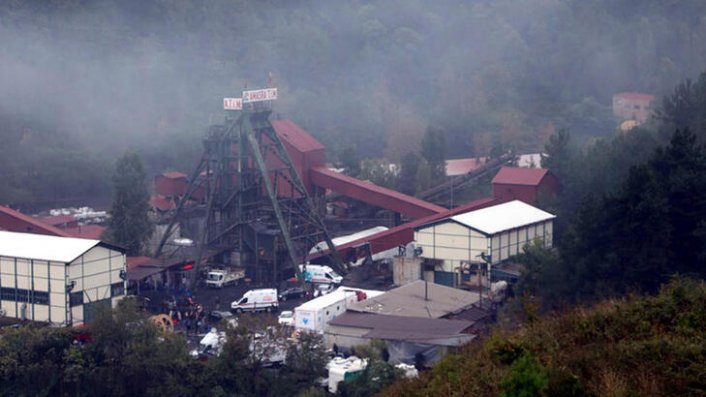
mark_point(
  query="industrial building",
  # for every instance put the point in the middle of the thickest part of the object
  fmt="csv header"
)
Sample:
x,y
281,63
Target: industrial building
x,y
525,184
486,236
58,280
412,320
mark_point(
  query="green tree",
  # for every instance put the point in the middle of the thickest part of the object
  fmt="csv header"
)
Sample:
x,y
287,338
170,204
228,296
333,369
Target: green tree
x,y
350,160
434,152
527,378
685,107
423,177
306,359
407,180
379,172
130,225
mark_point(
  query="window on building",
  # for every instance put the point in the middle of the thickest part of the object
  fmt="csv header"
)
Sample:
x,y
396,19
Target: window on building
x,y
8,294
117,289
76,298
40,298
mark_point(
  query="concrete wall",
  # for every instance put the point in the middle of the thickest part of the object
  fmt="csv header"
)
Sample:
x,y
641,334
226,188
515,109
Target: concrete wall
x,y
344,337
406,270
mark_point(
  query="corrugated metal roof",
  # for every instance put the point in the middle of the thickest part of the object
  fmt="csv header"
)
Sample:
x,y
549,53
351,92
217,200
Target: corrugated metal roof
x,y
371,193
520,176
412,329
87,231
410,300
57,220
501,217
391,322
296,136
140,272
43,247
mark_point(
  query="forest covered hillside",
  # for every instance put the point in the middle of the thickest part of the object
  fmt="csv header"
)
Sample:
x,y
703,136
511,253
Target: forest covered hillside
x,y
637,346
81,81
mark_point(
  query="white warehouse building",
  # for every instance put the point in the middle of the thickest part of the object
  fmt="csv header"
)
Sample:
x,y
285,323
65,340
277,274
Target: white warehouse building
x,y
60,280
496,233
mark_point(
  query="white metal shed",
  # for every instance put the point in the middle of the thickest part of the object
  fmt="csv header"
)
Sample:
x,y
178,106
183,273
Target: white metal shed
x,y
499,231
58,279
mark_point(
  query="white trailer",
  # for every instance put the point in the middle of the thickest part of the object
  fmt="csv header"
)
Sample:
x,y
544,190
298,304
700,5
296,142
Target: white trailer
x,y
219,278
316,313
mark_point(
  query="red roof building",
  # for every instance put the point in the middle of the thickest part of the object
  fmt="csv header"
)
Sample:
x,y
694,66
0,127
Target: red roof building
x,y
61,221
13,221
304,151
162,203
170,184
525,184
93,232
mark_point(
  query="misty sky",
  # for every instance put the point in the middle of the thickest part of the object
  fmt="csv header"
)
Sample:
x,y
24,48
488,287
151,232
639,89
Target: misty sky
x,y
116,73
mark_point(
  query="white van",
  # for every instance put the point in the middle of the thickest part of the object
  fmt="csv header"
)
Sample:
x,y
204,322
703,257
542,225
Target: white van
x,y
320,274
264,299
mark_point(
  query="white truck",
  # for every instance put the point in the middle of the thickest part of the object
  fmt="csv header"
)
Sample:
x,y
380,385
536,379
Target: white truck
x,y
320,274
219,278
255,300
316,313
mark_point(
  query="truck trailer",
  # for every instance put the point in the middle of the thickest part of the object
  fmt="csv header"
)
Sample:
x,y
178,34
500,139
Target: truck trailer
x,y
316,313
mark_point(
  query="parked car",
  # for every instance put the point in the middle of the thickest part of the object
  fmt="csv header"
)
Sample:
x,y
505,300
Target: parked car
x,y
323,289
286,318
292,293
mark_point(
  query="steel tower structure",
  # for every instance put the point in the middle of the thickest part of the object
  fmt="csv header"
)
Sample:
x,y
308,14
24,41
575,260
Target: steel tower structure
x,y
256,204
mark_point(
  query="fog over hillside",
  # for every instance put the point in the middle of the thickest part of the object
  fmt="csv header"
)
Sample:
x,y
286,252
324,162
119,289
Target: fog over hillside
x,y
102,76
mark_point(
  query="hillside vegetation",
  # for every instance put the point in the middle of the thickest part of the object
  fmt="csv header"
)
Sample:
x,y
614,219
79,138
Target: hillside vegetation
x,y
639,346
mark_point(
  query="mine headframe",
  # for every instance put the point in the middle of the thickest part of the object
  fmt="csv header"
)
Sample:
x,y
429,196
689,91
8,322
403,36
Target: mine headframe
x,y
256,204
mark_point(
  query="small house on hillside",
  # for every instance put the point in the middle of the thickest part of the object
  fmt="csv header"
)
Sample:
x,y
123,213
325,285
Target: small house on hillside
x,y
633,106
525,184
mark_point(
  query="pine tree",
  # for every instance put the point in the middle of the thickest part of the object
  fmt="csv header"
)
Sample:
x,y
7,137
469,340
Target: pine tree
x,y
407,181
434,152
130,225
